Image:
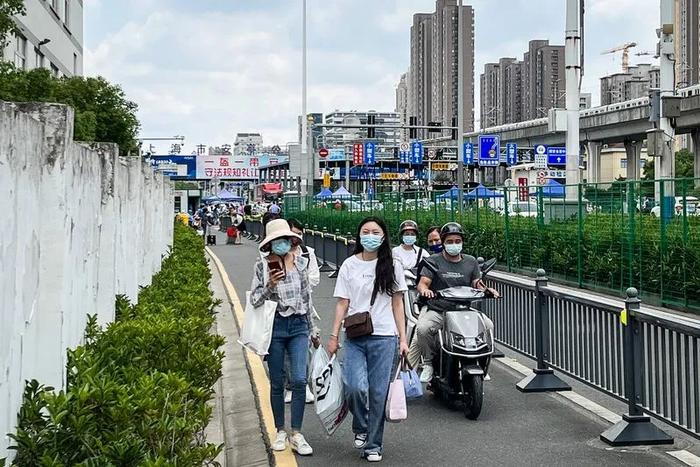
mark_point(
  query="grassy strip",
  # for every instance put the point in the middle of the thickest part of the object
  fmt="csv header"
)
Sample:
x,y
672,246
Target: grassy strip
x,y
137,391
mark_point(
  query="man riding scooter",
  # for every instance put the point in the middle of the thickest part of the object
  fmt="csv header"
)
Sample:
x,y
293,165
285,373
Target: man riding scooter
x,y
445,270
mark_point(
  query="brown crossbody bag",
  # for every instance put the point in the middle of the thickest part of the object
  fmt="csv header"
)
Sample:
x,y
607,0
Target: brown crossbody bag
x,y
360,324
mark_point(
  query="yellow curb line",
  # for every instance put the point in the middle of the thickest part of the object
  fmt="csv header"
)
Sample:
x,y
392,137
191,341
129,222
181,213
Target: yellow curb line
x,y
261,383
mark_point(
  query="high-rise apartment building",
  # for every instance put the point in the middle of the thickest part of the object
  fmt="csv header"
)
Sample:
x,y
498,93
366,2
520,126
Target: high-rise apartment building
x,y
434,64
513,91
687,42
50,36
620,87
421,64
402,103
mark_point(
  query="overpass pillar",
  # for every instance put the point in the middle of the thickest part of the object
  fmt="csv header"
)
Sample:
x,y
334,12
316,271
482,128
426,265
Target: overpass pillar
x,y
695,135
634,155
593,149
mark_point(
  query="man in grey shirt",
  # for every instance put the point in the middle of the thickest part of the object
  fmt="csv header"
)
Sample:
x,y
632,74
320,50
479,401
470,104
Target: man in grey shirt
x,y
447,269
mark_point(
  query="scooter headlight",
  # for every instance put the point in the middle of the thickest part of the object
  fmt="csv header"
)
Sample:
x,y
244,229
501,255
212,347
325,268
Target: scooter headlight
x,y
458,339
464,342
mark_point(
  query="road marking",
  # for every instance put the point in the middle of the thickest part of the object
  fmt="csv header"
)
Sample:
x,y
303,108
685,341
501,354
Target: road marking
x,y
572,396
688,458
261,383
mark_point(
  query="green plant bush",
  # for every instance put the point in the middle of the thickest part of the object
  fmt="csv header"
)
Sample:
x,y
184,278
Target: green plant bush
x,y
607,251
136,391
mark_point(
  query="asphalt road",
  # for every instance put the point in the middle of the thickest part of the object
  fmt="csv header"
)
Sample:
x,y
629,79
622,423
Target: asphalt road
x,y
514,429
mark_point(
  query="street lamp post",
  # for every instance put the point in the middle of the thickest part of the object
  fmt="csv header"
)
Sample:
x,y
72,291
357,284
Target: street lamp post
x,y
304,127
573,104
460,104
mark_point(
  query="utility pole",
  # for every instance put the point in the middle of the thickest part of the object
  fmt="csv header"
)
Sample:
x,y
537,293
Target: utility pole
x,y
460,105
664,166
573,79
304,128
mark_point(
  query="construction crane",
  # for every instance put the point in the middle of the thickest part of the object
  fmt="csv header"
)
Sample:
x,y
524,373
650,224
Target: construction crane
x,y
625,54
647,53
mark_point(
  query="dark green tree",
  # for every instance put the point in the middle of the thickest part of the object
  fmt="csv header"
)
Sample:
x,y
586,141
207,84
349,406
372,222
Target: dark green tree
x,y
8,9
102,111
684,166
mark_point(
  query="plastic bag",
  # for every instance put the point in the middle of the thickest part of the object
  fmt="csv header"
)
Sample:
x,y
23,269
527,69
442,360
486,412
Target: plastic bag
x,y
257,326
396,401
327,386
411,382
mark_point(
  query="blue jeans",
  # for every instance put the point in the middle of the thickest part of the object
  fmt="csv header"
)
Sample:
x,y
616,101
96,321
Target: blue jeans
x,y
290,336
367,368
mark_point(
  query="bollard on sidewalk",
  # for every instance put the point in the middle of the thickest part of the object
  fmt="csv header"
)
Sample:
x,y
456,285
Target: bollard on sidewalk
x,y
325,267
337,241
543,378
635,428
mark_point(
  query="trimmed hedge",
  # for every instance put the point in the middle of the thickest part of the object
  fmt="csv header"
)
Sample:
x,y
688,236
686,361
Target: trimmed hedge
x,y
606,251
137,391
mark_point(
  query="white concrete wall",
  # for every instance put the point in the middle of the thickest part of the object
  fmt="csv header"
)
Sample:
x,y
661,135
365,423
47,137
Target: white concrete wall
x,y
80,225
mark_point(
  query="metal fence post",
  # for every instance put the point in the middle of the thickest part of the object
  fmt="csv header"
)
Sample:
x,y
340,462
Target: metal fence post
x,y
635,428
325,267
334,274
542,378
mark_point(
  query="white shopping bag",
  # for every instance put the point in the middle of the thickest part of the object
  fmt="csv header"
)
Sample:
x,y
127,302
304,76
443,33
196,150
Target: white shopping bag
x,y
257,326
327,386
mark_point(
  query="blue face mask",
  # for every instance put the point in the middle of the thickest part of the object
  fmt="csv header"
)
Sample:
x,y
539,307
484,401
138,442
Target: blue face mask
x,y
436,248
409,240
281,247
371,242
453,249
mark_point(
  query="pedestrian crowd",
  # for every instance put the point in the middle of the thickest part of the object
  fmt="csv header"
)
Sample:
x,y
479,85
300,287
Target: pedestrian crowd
x,y
369,289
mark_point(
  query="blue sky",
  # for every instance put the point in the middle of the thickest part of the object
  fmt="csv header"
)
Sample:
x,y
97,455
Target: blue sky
x,y
209,69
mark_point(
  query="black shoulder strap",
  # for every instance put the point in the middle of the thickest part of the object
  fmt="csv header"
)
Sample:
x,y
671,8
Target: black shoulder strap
x,y
304,250
420,256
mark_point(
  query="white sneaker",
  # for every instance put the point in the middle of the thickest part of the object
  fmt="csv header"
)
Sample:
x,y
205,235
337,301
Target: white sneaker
x,y
427,374
300,445
360,440
374,457
280,443
288,397
309,396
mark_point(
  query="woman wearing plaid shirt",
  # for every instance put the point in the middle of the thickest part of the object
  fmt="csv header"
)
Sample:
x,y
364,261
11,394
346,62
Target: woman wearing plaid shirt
x,y
288,286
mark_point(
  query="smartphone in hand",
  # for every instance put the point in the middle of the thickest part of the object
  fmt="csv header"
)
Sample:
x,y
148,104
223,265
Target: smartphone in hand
x,y
275,266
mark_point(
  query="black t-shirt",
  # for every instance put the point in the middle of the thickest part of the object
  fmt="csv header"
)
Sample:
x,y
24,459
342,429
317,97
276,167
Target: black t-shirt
x,y
449,274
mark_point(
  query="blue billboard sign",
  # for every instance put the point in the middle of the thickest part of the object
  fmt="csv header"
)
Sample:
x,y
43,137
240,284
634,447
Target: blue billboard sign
x,y
416,153
370,153
468,154
336,154
175,166
511,153
489,150
556,156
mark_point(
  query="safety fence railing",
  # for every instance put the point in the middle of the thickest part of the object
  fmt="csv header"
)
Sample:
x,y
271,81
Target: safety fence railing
x,y
597,236
645,357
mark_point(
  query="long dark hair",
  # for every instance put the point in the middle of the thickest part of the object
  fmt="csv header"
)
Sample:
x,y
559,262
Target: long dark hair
x,y
384,280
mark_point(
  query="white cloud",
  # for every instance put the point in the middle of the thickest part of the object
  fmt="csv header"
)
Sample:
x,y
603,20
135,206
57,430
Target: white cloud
x,y
210,73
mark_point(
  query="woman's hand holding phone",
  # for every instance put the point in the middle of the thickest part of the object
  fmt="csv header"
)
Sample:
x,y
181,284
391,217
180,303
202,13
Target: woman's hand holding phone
x,y
276,273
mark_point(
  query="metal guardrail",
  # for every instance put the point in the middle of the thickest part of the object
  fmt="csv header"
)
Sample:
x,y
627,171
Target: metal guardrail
x,y
648,358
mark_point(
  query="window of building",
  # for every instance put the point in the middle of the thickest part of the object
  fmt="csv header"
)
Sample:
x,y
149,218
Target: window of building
x,y
623,163
20,57
75,64
66,13
54,70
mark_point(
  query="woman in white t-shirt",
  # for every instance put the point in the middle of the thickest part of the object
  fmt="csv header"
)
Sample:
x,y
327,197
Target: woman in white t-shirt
x,y
408,253
369,291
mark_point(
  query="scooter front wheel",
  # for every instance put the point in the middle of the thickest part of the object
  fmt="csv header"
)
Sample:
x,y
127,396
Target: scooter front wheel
x,y
473,394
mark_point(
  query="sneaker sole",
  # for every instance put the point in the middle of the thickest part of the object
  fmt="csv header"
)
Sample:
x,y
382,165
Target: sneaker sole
x,y
294,448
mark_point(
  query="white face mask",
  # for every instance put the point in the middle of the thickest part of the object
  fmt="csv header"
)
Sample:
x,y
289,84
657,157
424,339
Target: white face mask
x,y
409,240
453,249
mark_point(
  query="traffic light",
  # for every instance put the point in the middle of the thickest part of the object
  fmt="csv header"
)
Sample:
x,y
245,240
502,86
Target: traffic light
x,y
371,119
413,132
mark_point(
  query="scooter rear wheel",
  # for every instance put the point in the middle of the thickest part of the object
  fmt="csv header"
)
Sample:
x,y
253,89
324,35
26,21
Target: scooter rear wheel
x,y
473,395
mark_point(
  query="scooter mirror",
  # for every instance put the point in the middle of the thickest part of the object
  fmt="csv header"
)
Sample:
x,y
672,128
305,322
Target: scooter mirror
x,y
488,266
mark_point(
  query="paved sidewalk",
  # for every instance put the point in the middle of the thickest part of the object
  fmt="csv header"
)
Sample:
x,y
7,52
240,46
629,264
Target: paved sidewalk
x,y
236,413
